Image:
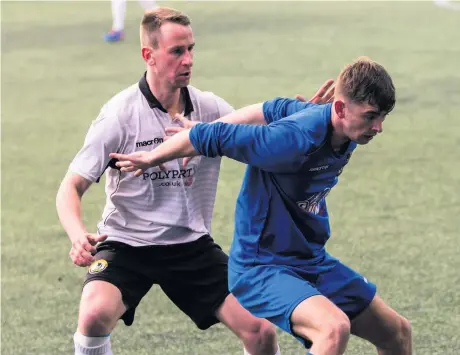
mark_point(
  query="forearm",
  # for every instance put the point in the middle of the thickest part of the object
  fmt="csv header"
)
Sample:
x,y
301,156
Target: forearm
x,y
68,205
252,115
178,146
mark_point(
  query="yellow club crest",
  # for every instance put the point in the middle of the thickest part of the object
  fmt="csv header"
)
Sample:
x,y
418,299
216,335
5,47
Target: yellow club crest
x,y
98,266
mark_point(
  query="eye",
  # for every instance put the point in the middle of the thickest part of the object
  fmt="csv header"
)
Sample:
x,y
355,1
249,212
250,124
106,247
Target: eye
x,y
178,51
371,116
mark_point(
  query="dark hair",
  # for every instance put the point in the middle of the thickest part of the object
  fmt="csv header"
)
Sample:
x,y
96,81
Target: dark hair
x,y
365,81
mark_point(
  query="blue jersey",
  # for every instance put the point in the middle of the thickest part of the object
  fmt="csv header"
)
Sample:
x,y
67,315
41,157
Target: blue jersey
x,y
281,215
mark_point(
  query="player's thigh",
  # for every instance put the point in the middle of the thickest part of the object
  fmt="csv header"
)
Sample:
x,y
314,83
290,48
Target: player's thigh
x,y
113,287
272,292
240,321
317,316
195,279
101,306
379,324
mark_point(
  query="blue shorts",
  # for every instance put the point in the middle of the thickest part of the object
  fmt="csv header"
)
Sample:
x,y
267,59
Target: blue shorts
x,y
274,291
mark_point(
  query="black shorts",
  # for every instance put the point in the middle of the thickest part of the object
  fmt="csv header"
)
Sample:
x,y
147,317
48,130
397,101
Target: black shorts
x,y
193,275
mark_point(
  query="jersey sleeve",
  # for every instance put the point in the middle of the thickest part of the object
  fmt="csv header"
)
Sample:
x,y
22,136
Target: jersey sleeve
x,y
213,107
223,107
279,108
278,147
104,137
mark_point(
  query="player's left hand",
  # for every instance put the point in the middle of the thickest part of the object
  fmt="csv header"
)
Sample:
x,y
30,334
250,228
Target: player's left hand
x,y
137,161
186,124
324,95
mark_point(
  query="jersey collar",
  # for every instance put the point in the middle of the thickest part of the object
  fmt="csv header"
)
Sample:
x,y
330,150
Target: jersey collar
x,y
153,101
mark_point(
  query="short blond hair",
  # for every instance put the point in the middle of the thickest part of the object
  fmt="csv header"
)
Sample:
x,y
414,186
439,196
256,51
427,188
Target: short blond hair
x,y
154,19
366,81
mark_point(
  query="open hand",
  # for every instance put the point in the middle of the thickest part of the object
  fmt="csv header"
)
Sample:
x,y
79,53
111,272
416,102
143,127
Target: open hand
x,y
186,124
137,162
84,248
324,95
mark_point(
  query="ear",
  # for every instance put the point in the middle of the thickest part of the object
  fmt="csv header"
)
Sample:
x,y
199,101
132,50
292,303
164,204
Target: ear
x,y
339,107
147,55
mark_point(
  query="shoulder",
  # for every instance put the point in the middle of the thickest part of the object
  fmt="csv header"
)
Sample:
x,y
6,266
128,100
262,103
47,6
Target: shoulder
x,y
122,105
314,121
208,105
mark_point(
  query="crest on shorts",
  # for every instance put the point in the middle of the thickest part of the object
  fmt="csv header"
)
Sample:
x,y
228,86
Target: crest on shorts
x,y
98,266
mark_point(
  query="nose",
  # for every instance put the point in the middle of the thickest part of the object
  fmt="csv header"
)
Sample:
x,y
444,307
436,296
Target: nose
x,y
378,126
188,59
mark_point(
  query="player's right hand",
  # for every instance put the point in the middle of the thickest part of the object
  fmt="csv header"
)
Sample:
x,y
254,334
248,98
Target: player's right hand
x,y
84,248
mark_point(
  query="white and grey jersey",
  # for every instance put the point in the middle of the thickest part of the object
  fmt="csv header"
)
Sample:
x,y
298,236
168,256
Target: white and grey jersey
x,y
159,207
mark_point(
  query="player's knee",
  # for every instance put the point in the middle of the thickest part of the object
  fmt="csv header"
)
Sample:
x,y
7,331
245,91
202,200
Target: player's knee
x,y
406,330
260,338
97,316
402,335
331,330
336,330
266,333
398,338
94,321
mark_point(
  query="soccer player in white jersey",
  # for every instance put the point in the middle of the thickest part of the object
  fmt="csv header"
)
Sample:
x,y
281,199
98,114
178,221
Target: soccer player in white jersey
x,y
118,18
155,229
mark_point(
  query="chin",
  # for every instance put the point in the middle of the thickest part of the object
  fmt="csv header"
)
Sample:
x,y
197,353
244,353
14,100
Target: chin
x,y
363,140
182,83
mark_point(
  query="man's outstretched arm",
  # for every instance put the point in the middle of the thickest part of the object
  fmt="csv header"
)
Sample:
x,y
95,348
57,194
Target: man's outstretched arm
x,y
276,147
177,146
264,113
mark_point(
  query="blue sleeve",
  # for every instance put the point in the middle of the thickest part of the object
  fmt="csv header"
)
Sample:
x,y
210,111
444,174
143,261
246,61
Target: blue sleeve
x,y
278,147
279,108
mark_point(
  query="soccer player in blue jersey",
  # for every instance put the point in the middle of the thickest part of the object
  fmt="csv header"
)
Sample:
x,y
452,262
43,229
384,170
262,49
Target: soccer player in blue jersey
x,y
279,268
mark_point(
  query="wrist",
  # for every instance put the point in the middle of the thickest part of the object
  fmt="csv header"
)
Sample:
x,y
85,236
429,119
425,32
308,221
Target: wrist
x,y
152,159
77,235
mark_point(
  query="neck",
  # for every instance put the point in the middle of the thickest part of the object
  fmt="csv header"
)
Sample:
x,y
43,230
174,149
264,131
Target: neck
x,y
338,138
168,97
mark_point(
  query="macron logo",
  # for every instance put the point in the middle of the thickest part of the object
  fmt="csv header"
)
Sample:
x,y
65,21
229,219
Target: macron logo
x,y
319,168
150,142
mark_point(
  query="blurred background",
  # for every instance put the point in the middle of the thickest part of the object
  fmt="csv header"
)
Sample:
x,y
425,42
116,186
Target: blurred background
x,y
395,213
